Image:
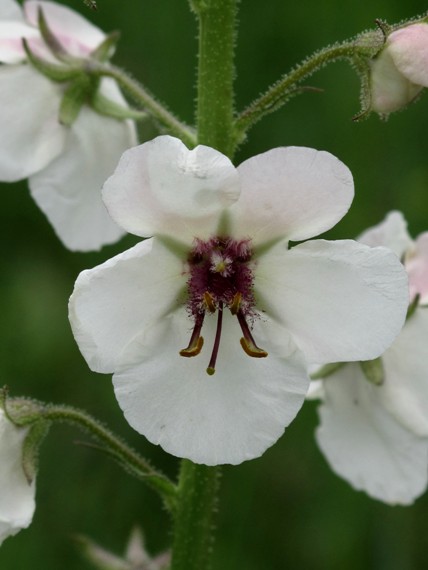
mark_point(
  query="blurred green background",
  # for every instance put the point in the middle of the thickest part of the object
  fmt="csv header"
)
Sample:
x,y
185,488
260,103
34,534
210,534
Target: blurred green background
x,y
286,509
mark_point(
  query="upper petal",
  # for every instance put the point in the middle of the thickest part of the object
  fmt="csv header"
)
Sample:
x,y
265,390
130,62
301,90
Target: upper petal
x,y
367,446
416,264
408,47
68,190
391,233
17,495
161,187
12,30
114,303
78,36
10,10
31,133
293,193
341,301
230,417
405,390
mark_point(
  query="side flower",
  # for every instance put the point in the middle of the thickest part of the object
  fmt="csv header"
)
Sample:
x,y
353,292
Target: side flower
x,y
17,494
376,436
66,164
220,272
400,71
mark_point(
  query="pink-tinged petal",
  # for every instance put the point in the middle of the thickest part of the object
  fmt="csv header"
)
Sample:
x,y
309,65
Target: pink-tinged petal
x,y
293,193
408,47
405,390
365,445
161,187
31,134
17,495
114,303
10,10
230,417
11,34
342,301
68,190
416,264
391,233
78,36
390,90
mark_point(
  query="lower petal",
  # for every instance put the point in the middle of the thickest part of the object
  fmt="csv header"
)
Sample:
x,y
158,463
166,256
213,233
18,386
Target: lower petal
x,y
230,417
31,134
365,445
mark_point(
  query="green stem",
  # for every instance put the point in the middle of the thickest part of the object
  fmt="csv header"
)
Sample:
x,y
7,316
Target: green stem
x,y
127,457
198,484
288,85
217,36
145,100
194,521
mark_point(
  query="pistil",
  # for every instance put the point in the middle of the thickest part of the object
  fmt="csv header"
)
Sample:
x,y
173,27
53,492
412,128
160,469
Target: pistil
x,y
213,359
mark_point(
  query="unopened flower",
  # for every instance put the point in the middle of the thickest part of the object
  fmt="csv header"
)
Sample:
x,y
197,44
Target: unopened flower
x,y
400,71
207,326
376,436
66,165
16,493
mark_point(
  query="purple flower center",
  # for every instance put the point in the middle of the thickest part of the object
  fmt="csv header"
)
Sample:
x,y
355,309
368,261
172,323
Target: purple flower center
x,y
221,276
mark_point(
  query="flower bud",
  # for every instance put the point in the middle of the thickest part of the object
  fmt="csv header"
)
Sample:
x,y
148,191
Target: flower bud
x,y
400,71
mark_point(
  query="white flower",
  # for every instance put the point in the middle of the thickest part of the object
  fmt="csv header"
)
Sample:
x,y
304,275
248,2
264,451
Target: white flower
x,y
17,495
221,242
376,437
400,71
66,166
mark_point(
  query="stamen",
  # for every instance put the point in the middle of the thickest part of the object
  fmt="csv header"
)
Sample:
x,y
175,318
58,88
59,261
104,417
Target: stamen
x,y
196,341
248,343
236,303
211,365
209,302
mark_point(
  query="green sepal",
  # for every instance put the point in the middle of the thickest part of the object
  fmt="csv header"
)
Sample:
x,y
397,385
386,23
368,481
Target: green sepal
x,y
413,306
327,370
50,39
31,446
373,371
75,96
105,50
55,72
104,106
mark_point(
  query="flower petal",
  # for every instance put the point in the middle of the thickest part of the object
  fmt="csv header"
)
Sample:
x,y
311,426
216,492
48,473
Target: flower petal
x,y
293,193
391,233
161,187
10,10
230,417
31,134
341,301
17,495
405,390
365,445
68,190
416,264
78,36
11,34
408,47
116,301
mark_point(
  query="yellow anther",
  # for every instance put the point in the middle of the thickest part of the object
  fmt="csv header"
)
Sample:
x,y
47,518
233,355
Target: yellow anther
x,y
209,302
252,350
236,303
193,349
